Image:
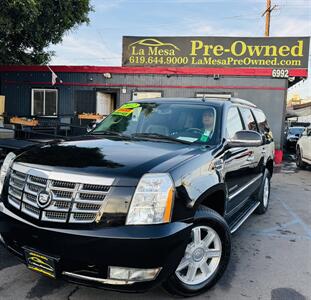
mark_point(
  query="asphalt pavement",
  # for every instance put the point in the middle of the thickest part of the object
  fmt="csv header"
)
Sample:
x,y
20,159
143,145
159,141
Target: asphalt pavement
x,y
271,256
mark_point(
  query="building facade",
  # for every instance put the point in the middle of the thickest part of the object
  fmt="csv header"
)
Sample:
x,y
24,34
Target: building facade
x,y
29,90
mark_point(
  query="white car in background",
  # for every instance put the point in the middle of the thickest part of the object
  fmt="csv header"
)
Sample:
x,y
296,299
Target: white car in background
x,y
303,149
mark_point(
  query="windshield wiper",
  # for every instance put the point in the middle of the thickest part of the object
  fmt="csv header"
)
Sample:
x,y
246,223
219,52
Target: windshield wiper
x,y
109,132
158,136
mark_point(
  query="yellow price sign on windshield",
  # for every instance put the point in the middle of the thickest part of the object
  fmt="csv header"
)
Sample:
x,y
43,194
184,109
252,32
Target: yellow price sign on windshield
x,y
126,109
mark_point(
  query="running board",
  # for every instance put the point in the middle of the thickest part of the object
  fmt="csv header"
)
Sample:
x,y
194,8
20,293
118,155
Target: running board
x,y
245,217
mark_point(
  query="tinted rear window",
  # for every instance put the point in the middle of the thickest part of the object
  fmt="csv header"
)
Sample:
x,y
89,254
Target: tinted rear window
x,y
248,118
233,122
261,121
263,125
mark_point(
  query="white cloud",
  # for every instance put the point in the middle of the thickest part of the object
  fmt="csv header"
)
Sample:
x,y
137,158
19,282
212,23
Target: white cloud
x,y
105,5
203,28
75,50
286,26
192,27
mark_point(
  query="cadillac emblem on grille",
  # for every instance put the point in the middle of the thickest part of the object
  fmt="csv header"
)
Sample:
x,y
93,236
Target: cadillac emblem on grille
x,y
44,199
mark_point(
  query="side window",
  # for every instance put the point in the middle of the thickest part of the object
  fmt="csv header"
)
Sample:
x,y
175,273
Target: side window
x,y
248,118
262,123
44,102
233,122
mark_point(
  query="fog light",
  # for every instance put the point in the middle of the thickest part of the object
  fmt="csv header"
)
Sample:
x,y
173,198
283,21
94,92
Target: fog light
x,y
133,274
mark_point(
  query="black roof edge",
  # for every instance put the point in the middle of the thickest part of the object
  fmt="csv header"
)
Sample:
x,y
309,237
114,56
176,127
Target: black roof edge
x,y
204,99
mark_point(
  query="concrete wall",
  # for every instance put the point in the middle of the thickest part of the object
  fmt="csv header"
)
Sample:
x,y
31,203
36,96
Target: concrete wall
x,y
267,93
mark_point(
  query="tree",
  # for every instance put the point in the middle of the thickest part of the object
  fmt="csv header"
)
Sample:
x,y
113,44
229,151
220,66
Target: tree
x,y
27,27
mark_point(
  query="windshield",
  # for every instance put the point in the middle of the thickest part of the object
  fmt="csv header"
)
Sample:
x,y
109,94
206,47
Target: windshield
x,y
190,123
296,130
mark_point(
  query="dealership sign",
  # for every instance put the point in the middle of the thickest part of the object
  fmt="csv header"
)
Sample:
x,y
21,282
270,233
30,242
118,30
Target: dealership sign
x,y
223,52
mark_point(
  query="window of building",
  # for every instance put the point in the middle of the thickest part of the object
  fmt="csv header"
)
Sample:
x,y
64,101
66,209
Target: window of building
x,y
146,95
234,122
44,102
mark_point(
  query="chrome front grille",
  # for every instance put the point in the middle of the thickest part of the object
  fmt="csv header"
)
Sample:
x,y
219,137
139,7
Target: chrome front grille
x,y
74,198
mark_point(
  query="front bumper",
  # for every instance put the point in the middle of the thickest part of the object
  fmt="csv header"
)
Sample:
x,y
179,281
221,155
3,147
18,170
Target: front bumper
x,y
90,252
291,143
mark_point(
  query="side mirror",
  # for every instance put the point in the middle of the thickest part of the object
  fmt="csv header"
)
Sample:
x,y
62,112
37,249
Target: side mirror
x,y
90,126
245,138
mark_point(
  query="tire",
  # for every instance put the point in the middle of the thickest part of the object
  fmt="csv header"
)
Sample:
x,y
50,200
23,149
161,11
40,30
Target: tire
x,y
300,164
264,194
209,223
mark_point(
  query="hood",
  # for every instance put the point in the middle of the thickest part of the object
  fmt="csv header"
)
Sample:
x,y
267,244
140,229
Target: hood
x,y
124,160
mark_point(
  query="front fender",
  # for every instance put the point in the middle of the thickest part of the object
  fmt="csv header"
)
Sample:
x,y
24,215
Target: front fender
x,y
196,180
195,183
220,187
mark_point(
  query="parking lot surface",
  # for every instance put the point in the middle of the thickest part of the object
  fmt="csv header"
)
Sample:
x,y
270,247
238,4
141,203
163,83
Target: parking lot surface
x,y
271,256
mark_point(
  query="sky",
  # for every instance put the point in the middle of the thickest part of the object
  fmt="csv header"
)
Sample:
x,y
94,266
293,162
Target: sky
x,y
100,42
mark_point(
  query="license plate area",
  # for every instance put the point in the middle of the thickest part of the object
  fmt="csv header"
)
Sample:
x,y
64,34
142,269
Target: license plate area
x,y
41,263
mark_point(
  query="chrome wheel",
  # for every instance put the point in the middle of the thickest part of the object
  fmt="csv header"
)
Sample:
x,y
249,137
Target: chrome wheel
x,y
299,161
202,256
266,193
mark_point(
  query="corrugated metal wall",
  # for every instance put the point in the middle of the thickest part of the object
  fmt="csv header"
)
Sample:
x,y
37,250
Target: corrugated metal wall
x,y
16,86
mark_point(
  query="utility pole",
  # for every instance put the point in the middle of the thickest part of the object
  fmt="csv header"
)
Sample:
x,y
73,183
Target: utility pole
x,y
267,12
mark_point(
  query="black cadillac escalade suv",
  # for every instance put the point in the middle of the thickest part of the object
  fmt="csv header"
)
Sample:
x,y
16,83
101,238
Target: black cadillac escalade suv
x,y
150,196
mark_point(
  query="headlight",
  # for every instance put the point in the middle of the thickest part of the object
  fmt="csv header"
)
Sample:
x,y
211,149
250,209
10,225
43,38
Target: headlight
x,y
5,167
153,200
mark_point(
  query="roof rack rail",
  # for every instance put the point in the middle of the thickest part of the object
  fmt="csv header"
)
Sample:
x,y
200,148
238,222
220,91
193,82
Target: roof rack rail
x,y
242,101
213,96
225,97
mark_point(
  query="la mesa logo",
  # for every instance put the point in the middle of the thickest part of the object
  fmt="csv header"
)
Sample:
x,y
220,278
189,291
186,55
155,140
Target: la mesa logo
x,y
153,47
